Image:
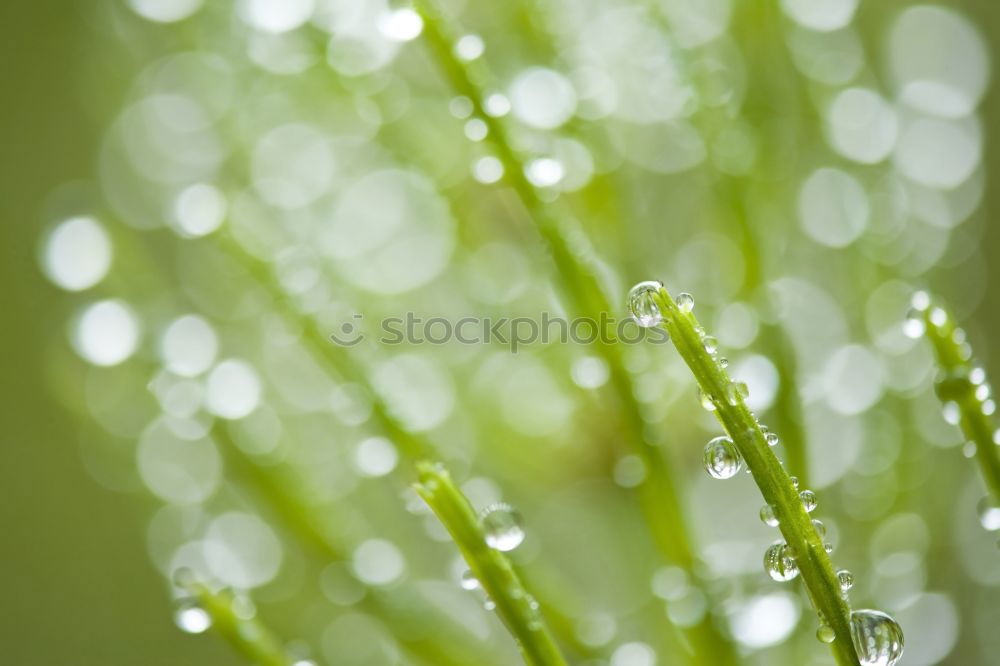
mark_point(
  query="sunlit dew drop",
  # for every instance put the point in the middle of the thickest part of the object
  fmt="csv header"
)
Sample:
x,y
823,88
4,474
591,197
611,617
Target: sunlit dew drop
x,y
819,527
988,407
808,498
469,47
779,563
460,107
969,449
503,527
711,345
685,302
400,25
188,346
989,514
77,254
846,580
914,325
825,633
795,482
977,376
496,105
107,333
938,317
767,516
706,401
233,389
199,210
544,172
878,639
642,304
475,129
722,458
822,16
487,170
771,439
920,300
737,392
191,618
469,580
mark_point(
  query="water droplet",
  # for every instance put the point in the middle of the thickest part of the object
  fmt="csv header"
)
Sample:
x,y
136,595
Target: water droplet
x,y
828,547
951,412
722,458
779,563
820,528
989,407
982,392
808,498
846,579
723,362
736,393
489,605
920,300
771,439
469,47
938,317
685,302
191,618
989,514
503,527
469,580
877,638
706,401
642,304
977,375
795,482
969,449
711,345
825,634
767,516
914,325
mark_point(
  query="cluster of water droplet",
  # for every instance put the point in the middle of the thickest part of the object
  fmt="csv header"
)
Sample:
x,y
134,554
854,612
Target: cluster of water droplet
x,y
878,639
503,530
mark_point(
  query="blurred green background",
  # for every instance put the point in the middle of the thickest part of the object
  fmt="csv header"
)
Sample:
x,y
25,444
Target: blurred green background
x,y
79,586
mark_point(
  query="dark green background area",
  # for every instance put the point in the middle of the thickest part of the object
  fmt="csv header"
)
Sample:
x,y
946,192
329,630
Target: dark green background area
x,y
76,584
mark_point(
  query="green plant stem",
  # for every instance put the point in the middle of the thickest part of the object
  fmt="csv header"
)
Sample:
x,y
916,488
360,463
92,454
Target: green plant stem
x,y
250,637
955,359
577,273
514,604
774,483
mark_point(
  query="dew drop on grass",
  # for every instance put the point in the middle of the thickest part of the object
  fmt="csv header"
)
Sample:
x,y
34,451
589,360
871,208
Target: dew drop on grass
x,y
825,633
877,638
767,516
779,563
920,300
711,345
828,547
503,527
723,362
771,439
642,304
469,580
808,498
795,482
489,605
722,458
736,393
685,302
969,449
977,375
820,528
846,580
951,412
191,618
706,401
938,317
989,514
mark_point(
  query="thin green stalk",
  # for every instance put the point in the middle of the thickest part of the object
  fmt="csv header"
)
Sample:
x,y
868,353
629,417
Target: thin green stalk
x,y
962,387
577,276
774,483
514,604
245,632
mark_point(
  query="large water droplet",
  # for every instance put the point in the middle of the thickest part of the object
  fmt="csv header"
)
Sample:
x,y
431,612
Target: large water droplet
x,y
736,393
767,516
989,514
503,527
825,633
878,638
846,580
191,618
808,498
685,302
779,563
771,439
722,458
642,304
